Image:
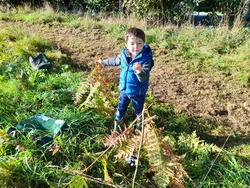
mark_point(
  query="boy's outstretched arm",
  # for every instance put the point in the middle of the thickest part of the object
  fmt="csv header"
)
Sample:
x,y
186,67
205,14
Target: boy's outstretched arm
x,y
115,61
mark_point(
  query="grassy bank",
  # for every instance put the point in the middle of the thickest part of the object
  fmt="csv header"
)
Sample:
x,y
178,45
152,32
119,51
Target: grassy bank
x,y
25,92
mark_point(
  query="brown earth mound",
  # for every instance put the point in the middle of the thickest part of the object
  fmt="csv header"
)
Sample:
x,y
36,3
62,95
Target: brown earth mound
x,y
216,97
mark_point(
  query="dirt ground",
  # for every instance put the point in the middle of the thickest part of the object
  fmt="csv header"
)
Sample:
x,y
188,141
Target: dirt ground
x,y
217,97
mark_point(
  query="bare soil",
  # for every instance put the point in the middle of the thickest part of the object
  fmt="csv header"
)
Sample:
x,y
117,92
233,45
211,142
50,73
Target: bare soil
x,y
210,97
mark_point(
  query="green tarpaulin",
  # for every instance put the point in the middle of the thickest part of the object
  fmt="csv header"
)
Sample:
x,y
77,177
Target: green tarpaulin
x,y
40,126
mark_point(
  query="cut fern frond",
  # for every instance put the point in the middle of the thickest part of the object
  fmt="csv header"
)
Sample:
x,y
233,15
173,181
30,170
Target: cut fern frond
x,y
97,91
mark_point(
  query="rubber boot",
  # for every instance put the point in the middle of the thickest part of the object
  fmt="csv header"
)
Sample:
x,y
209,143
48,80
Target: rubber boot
x,y
115,125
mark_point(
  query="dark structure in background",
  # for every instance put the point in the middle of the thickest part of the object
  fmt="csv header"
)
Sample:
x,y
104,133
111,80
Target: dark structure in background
x,y
206,19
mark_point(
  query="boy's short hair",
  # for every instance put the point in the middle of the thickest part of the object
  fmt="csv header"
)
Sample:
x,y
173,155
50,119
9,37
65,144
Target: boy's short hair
x,y
133,31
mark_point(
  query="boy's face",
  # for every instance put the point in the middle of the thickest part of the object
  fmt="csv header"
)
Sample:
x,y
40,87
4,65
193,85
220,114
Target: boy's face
x,y
134,45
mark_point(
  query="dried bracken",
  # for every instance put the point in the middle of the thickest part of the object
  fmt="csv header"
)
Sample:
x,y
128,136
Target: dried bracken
x,y
165,165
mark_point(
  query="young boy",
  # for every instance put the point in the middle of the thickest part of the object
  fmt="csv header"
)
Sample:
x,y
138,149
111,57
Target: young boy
x,y
136,61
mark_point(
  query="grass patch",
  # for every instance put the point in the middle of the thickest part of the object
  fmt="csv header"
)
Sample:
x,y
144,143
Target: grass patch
x,y
25,92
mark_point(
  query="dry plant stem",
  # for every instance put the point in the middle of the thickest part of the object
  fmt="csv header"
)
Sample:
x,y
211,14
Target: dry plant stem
x,y
239,15
213,162
90,178
139,151
86,169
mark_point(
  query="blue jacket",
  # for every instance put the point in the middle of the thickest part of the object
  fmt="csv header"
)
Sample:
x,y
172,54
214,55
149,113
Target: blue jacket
x,y
132,83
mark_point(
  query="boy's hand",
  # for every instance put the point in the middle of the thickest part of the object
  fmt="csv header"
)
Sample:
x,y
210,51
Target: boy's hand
x,y
137,68
100,62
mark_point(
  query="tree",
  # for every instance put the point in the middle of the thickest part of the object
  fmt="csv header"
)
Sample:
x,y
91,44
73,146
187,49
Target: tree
x,y
161,11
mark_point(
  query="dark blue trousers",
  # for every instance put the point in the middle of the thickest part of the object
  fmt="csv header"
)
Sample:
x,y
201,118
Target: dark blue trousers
x,y
124,100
